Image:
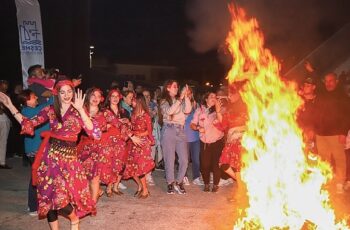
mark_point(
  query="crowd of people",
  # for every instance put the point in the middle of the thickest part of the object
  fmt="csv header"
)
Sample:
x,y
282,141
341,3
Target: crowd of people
x,y
79,142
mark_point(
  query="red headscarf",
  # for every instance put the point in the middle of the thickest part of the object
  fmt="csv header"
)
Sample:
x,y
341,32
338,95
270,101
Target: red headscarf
x,y
60,84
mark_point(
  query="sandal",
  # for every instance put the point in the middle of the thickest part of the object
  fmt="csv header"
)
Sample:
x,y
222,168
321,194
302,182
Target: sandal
x,y
138,193
144,196
116,191
101,192
109,193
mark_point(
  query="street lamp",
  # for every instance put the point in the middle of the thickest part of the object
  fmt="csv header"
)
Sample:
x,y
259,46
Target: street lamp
x,y
91,52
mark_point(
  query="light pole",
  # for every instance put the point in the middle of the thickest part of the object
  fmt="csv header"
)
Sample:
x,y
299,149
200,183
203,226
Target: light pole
x,y
91,52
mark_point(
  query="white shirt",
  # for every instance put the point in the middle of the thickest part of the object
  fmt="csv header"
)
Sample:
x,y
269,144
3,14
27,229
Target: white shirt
x,y
176,113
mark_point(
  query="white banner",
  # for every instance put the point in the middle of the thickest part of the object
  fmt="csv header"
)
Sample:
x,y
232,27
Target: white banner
x,y
31,42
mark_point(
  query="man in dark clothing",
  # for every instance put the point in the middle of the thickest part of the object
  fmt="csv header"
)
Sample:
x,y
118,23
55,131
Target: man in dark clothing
x,y
331,126
307,113
42,93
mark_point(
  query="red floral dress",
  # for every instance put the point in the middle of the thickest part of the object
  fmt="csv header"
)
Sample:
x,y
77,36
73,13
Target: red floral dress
x,y
96,155
140,160
61,177
234,122
116,137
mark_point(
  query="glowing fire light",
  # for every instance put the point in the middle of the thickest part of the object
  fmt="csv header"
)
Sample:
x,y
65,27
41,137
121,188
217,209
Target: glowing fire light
x,y
284,189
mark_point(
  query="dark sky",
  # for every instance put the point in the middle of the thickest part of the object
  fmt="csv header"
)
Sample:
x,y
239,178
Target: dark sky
x,y
188,33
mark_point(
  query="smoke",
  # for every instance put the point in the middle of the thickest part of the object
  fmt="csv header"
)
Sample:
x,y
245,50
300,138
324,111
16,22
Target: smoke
x,y
292,28
210,20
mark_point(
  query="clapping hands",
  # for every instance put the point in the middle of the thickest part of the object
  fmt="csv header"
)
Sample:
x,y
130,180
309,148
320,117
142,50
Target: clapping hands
x,y
184,92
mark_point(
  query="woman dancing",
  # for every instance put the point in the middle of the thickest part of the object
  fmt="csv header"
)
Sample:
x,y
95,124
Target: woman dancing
x,y
61,183
140,161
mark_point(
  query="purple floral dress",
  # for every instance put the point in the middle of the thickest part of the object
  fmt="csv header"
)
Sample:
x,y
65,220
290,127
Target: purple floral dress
x,y
61,178
140,160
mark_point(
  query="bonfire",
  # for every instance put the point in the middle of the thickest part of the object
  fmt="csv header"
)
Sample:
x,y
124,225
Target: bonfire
x,y
285,189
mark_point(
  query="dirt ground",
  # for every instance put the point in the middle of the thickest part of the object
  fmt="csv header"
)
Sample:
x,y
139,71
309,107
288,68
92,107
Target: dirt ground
x,y
194,210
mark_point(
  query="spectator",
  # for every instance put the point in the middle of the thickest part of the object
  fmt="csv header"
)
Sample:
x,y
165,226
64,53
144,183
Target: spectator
x,y
5,125
331,127
173,138
139,89
307,112
126,105
36,75
193,142
212,141
32,143
128,86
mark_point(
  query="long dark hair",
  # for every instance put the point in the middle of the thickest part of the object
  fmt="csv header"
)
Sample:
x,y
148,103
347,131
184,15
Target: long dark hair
x,y
89,93
56,102
107,103
140,103
205,96
165,92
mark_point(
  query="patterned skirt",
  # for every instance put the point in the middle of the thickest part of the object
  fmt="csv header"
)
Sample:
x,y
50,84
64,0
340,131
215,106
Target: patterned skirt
x,y
140,161
231,155
61,180
97,160
119,154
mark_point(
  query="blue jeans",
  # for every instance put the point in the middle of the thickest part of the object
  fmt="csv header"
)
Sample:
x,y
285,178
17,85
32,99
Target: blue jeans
x,y
173,139
195,149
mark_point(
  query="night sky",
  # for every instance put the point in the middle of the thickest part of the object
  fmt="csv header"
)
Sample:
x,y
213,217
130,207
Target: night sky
x,y
188,34
166,31
149,32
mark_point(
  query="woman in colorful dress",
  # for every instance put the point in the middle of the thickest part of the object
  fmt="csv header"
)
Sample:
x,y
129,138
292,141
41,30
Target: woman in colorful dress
x,y
140,161
59,176
233,121
117,135
93,153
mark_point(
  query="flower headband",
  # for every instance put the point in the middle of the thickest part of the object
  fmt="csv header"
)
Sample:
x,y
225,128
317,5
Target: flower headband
x,y
60,84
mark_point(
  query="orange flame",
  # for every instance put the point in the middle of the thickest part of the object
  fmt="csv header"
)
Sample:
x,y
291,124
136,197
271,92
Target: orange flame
x,y
284,189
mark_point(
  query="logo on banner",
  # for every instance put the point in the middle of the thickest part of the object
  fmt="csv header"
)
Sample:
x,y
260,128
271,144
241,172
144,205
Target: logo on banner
x,y
30,38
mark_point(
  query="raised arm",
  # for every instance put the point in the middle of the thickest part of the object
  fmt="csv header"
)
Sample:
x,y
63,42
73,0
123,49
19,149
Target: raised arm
x,y
78,104
187,105
28,125
6,101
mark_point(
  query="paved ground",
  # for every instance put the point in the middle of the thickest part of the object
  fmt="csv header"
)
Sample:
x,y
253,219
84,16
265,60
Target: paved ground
x,y
195,210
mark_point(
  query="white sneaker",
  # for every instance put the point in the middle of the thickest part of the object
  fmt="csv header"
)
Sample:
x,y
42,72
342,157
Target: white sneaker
x,y
197,181
149,180
35,213
186,181
223,182
122,186
229,181
347,185
340,189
